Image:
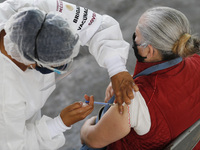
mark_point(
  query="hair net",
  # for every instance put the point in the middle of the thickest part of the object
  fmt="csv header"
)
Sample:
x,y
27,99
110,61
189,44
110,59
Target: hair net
x,y
32,34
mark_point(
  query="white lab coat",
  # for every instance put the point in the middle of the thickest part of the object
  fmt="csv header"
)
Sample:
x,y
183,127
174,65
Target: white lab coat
x,y
21,125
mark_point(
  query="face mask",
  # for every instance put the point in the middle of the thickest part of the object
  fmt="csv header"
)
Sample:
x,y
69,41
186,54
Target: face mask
x,y
138,56
44,70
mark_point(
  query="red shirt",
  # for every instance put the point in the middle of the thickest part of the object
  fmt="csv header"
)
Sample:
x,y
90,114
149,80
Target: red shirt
x,y
173,99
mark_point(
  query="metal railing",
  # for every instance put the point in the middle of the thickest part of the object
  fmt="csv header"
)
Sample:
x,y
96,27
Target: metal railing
x,y
187,140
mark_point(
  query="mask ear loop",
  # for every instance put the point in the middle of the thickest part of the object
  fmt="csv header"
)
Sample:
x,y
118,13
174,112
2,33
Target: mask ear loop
x,y
31,66
139,57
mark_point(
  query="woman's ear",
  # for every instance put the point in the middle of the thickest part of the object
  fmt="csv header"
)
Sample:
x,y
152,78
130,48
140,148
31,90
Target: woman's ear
x,y
151,53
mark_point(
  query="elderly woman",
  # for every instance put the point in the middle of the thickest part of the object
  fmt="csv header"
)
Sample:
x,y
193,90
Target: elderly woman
x,y
167,74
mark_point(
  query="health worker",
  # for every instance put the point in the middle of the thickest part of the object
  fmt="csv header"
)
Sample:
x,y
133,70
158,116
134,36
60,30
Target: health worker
x,y
39,39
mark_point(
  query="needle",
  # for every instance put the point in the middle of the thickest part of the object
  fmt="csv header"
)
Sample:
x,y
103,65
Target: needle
x,y
100,103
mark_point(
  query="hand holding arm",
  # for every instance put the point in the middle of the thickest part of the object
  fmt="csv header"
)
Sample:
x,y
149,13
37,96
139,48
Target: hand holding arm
x,y
123,84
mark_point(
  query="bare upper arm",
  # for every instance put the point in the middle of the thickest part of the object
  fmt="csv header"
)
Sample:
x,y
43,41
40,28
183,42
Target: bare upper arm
x,y
110,128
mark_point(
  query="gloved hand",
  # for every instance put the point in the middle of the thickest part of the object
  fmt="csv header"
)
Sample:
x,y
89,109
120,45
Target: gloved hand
x,y
77,111
123,84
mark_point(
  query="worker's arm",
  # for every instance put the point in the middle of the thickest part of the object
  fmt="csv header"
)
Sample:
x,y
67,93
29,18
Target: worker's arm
x,y
101,33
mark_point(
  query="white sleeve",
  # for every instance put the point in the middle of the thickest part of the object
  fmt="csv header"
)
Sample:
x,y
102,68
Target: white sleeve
x,y
102,34
108,44
56,126
139,117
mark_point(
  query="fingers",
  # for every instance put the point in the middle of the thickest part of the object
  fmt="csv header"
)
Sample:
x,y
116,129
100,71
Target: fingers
x,y
120,108
107,96
128,94
123,86
135,87
88,108
109,93
73,106
76,112
84,115
124,94
86,97
83,112
119,101
91,99
75,115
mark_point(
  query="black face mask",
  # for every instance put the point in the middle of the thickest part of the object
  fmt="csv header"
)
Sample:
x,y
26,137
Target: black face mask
x,y
44,70
138,56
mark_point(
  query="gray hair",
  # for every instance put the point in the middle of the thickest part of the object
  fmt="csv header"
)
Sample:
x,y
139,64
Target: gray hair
x,y
162,27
